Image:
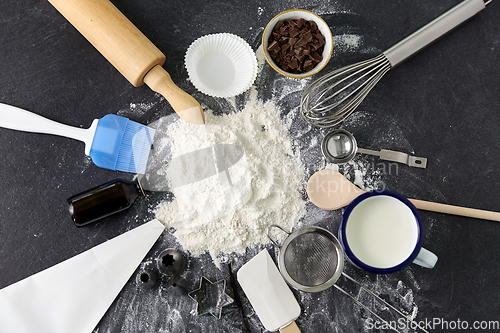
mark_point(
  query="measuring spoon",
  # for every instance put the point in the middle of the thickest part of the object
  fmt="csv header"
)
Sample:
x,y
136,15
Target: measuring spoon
x,y
329,189
339,146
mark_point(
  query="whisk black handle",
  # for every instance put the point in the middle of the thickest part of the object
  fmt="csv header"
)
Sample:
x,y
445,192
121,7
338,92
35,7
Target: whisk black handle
x,y
433,30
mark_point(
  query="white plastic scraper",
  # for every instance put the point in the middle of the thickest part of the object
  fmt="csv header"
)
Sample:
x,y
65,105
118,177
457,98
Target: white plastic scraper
x,y
269,294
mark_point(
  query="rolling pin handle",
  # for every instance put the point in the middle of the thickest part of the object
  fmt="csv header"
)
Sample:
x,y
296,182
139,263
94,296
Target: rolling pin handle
x,y
184,104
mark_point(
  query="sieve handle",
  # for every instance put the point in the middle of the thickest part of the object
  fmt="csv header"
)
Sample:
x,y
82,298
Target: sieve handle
x,y
275,242
407,318
433,30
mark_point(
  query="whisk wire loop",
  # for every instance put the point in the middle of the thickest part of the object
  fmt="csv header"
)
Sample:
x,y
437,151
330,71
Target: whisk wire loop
x,y
356,68
317,107
356,89
333,97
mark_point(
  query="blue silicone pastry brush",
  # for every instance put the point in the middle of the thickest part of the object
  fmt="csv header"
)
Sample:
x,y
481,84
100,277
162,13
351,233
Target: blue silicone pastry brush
x,y
113,142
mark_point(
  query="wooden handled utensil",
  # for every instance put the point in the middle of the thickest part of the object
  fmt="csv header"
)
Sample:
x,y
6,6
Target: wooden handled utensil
x,y
132,53
329,189
270,296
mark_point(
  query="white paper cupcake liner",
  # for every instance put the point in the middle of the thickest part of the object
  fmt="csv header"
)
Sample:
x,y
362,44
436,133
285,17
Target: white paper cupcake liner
x,y
221,65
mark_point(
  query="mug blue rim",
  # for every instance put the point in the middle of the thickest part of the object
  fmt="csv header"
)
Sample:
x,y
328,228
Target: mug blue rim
x,y
347,250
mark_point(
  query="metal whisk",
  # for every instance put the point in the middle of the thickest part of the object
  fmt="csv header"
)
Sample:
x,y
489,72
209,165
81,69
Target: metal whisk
x,y
332,98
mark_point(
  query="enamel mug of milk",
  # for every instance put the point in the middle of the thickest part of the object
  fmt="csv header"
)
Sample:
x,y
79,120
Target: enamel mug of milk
x,y
382,232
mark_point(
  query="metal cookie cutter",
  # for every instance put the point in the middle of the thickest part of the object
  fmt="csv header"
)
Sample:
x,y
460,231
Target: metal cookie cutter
x,y
210,297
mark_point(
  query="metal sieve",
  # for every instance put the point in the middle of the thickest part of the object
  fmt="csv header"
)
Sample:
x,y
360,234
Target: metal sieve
x,y
311,259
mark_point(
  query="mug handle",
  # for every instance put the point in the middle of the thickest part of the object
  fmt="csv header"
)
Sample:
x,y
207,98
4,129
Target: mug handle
x,y
425,258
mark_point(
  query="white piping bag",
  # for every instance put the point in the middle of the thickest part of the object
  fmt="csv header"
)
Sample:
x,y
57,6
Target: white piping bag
x,y
73,295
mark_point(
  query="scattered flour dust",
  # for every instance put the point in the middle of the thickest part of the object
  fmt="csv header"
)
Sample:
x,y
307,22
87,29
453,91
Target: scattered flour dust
x,y
231,210
347,42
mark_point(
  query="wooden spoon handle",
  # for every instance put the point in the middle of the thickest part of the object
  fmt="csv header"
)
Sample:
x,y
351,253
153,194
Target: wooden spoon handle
x,y
456,210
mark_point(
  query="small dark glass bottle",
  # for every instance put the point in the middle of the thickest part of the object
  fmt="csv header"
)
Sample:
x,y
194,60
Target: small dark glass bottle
x,y
102,201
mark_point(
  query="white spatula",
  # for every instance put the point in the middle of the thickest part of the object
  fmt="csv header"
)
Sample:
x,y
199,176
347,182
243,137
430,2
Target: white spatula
x,y
269,294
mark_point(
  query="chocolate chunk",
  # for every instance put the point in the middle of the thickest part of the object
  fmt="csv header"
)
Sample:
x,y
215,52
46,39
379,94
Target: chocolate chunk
x,y
316,57
296,45
294,32
308,37
301,42
308,65
319,36
294,64
278,26
274,47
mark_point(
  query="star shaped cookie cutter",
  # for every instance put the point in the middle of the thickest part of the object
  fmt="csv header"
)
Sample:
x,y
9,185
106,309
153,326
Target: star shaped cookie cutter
x,y
210,297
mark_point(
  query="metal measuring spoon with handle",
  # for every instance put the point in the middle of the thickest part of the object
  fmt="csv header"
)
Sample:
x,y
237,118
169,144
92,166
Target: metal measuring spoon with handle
x,y
330,190
339,146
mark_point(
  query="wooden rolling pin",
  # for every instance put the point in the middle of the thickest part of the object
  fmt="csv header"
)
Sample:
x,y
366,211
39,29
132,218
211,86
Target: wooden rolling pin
x,y
132,53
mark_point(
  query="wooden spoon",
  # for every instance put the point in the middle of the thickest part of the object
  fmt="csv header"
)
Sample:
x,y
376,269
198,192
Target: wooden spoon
x,y
329,189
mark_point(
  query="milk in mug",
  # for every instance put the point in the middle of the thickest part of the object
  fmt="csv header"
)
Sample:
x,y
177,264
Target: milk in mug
x,y
382,231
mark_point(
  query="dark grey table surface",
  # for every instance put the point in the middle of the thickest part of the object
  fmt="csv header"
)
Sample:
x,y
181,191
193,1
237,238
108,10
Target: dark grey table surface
x,y
442,104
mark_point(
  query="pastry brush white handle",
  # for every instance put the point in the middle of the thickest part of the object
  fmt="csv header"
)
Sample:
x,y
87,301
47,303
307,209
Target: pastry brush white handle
x,y
18,119
433,30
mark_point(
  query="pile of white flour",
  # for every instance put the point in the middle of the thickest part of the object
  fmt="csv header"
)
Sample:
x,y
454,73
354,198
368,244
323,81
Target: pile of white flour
x,y
222,214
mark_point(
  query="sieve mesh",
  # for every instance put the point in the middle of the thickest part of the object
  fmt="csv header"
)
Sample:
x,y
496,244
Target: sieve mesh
x,y
311,259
